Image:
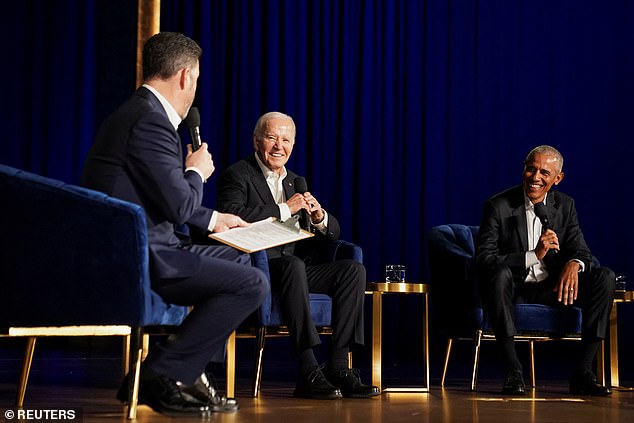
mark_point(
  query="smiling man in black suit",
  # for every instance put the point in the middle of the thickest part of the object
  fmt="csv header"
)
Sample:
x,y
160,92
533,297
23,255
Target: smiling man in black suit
x,y
259,187
518,257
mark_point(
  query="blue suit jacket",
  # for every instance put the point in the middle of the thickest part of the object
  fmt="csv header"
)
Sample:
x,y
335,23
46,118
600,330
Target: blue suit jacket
x,y
137,156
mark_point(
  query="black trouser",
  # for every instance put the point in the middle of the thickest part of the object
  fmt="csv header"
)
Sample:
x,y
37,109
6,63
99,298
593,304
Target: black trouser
x,y
224,292
342,280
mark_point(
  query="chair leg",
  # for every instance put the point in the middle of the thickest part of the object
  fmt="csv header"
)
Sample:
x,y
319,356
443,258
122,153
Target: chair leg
x,y
26,370
257,382
146,345
531,352
136,357
126,355
231,365
477,339
444,368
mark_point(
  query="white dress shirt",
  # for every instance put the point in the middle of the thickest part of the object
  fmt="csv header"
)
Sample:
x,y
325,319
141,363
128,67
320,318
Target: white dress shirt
x,y
537,271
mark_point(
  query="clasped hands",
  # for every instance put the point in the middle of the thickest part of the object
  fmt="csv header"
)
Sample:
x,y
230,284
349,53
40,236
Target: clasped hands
x,y
568,286
307,202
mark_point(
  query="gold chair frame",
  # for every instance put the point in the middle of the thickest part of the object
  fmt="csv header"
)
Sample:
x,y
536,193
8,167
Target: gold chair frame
x,y
33,333
260,333
481,335
132,357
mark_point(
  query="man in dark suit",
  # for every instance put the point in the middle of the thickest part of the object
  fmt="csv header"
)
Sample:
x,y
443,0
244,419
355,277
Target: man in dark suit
x,y
137,156
259,187
521,256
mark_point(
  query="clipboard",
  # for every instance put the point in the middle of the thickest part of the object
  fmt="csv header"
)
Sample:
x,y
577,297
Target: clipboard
x,y
264,234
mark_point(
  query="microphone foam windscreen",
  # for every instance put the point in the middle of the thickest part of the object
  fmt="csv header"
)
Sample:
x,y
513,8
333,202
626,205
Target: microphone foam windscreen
x,y
192,119
540,210
300,185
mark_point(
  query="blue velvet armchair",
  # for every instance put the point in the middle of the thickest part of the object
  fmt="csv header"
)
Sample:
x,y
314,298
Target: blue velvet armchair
x,y
75,263
461,317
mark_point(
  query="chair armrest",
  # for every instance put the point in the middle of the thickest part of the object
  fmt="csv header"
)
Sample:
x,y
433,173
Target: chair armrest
x,y
456,297
341,249
260,260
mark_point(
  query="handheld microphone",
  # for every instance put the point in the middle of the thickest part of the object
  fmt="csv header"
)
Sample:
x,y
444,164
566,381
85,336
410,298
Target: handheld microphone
x,y
542,214
301,187
192,120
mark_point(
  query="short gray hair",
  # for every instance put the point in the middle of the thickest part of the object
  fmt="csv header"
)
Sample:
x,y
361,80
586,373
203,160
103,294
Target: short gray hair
x,y
260,125
547,150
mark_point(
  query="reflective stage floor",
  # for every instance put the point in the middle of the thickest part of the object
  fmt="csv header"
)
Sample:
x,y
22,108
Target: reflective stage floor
x,y
550,403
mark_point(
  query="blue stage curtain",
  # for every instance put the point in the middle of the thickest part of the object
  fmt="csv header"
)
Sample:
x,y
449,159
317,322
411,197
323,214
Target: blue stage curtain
x,y
67,64
410,113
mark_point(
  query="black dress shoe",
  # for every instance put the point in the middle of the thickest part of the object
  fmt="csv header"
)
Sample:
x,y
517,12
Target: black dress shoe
x,y
585,383
314,385
349,381
514,383
164,395
204,390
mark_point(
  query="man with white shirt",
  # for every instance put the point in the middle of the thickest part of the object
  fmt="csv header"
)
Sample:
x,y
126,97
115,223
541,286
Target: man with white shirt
x,y
137,156
259,187
518,259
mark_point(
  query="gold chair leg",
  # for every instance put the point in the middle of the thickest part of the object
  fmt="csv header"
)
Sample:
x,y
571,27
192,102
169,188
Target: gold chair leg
x,y
257,382
26,370
531,352
126,355
146,345
444,369
231,365
136,339
134,398
613,348
350,359
476,358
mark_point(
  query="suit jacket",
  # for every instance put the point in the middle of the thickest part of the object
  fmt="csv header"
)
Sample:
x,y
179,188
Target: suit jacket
x,y
137,156
503,235
242,190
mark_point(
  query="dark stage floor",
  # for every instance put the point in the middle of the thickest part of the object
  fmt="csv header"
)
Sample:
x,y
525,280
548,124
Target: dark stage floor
x,y
85,376
457,404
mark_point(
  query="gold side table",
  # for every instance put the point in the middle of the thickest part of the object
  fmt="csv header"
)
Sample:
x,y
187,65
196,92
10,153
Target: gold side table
x,y
378,289
619,297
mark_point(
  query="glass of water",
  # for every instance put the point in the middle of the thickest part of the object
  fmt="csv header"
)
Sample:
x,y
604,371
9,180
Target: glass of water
x,y
395,273
621,283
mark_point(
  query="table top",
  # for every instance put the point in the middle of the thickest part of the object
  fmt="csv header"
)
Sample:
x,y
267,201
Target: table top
x,y
403,287
623,296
